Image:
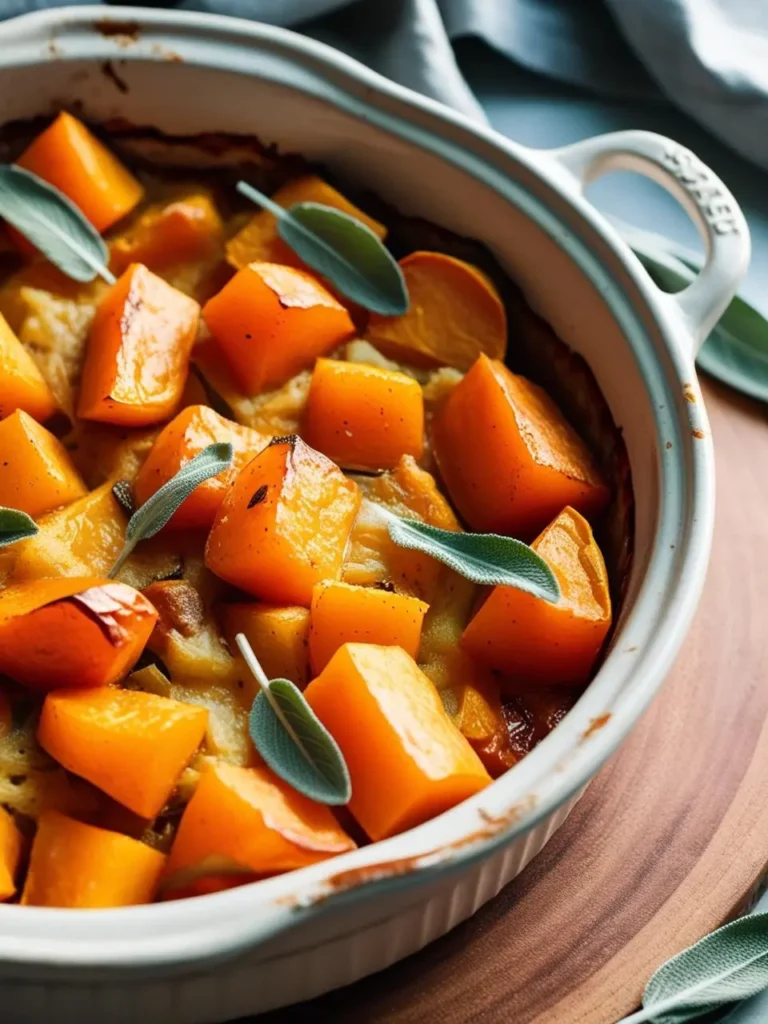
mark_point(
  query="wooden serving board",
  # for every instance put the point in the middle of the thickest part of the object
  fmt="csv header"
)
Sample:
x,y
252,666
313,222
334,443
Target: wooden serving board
x,y
669,841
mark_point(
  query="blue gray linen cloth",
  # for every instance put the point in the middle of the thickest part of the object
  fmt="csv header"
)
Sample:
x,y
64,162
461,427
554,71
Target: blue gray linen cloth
x,y
707,57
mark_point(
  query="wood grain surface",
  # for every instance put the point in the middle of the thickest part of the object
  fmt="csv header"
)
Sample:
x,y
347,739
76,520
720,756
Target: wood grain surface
x,y
670,839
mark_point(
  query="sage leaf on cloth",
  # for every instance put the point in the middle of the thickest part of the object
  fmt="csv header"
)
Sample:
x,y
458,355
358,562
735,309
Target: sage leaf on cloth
x,y
342,250
157,510
15,526
292,739
53,224
485,558
736,352
729,964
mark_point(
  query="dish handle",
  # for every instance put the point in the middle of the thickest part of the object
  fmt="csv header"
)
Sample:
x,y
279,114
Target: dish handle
x,y
703,195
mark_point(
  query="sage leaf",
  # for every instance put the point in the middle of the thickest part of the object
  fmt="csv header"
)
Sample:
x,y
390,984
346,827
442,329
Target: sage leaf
x,y
292,739
15,526
342,249
157,510
736,351
53,224
486,558
729,964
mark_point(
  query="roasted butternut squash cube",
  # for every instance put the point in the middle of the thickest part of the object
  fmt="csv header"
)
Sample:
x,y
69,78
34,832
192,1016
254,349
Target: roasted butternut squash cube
x,y
535,643
192,430
78,540
10,855
364,417
248,820
272,321
284,524
79,866
455,313
22,385
342,614
138,353
278,634
72,632
132,745
188,228
36,472
407,760
71,158
509,458
260,240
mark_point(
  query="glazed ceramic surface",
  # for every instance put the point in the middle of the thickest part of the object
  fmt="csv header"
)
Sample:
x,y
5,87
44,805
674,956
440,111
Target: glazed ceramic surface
x,y
294,936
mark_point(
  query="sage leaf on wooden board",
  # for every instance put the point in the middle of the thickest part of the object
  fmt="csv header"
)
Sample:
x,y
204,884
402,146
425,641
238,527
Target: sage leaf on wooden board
x,y
292,739
341,249
485,558
156,511
729,964
53,224
15,526
736,351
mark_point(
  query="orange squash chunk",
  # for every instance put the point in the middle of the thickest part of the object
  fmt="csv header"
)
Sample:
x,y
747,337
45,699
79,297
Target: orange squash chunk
x,y
284,524
407,760
343,614
249,820
188,228
192,430
132,745
259,239
10,855
73,160
72,632
509,458
455,314
79,866
364,417
36,472
272,321
279,636
138,353
22,386
533,641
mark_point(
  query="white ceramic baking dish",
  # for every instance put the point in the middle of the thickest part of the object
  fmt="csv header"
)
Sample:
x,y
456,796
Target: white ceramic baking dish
x,y
292,937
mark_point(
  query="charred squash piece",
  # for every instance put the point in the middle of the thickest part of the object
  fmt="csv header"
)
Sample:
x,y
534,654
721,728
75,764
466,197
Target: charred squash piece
x,y
535,643
284,524
272,321
72,632
509,458
138,354
407,760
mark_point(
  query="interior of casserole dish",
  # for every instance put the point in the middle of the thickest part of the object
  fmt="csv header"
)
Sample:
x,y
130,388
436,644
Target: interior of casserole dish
x,y
211,164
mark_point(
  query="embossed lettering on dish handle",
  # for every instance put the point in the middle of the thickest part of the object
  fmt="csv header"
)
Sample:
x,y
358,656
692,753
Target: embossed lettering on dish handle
x,y
709,203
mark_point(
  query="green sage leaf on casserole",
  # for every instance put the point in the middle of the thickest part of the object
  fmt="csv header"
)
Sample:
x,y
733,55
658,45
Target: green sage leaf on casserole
x,y
292,739
15,526
157,510
485,558
53,224
736,351
729,964
342,250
